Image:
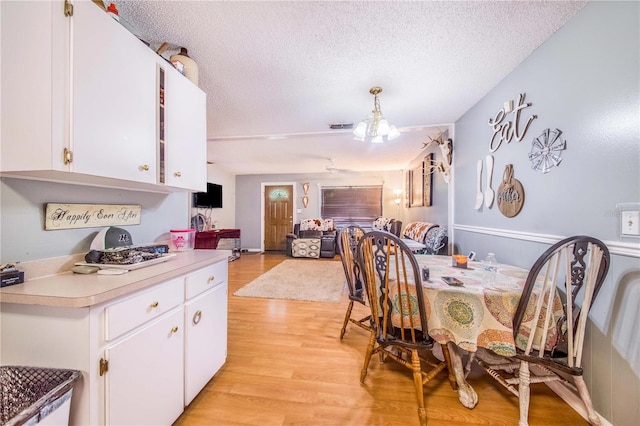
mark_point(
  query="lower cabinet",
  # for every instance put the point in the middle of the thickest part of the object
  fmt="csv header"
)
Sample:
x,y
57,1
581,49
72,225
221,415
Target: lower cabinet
x,y
143,356
205,339
145,378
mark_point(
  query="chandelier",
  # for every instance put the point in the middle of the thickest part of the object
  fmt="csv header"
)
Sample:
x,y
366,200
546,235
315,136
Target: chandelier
x,y
374,124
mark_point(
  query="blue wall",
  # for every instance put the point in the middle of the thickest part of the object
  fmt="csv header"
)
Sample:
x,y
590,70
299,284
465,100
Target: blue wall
x,y
22,234
584,81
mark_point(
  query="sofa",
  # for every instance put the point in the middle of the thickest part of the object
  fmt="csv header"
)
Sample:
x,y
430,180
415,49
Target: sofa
x,y
312,238
432,235
387,224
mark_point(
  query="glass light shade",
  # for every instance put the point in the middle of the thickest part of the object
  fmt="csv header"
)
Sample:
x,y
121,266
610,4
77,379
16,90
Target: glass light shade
x,y
359,138
383,127
377,139
393,133
360,131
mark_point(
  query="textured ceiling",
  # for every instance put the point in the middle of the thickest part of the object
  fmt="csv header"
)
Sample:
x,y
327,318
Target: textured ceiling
x,y
289,69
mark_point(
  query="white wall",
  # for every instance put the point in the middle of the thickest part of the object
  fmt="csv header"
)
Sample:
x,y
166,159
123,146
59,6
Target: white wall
x,y
225,217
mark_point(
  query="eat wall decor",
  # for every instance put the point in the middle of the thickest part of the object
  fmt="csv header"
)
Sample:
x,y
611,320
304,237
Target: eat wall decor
x,y
71,216
503,129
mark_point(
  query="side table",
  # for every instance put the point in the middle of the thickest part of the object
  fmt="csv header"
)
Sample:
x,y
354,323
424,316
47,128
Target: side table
x,y
223,239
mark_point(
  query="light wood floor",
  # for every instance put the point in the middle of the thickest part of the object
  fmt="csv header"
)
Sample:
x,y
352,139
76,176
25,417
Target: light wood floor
x,y
286,365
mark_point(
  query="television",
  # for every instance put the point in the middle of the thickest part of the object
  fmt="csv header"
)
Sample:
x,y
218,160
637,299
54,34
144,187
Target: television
x,y
211,199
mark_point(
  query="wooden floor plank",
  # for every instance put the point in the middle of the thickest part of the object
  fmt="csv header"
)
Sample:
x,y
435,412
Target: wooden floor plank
x,y
287,366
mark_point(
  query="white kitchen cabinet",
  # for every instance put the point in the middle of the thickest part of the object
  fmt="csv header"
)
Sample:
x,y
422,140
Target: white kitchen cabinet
x,y
205,328
185,132
121,317
145,378
140,359
114,88
33,86
83,107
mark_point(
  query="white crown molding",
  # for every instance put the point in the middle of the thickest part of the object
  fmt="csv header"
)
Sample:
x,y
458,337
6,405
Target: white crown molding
x,y
615,247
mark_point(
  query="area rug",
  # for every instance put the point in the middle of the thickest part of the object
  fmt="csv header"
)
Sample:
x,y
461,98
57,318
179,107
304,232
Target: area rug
x,y
299,279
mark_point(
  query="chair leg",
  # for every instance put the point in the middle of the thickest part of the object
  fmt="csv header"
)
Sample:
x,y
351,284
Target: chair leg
x,y
367,357
346,319
417,381
524,393
586,400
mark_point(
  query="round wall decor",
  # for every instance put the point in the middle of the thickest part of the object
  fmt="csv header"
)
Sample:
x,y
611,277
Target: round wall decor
x,y
510,195
546,150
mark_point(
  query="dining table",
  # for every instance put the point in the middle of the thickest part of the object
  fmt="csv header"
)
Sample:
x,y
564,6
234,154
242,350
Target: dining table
x,y
477,316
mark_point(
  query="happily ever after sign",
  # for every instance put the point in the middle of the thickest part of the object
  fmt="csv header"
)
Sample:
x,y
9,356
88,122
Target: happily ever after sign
x,y
71,216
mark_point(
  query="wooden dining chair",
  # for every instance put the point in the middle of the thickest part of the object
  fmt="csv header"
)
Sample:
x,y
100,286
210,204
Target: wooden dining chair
x,y
399,330
576,267
347,244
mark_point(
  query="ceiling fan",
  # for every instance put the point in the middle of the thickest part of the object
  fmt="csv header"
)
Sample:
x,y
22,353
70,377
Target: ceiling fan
x,y
331,167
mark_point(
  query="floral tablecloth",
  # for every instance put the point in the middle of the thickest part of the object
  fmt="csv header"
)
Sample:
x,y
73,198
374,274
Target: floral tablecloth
x,y
472,315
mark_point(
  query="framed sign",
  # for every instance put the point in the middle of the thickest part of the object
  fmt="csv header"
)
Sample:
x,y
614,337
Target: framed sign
x,y
426,191
417,186
72,216
407,190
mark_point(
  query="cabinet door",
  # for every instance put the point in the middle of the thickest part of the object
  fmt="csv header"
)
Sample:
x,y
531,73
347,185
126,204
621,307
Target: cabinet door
x,y
114,99
185,133
33,85
144,384
205,339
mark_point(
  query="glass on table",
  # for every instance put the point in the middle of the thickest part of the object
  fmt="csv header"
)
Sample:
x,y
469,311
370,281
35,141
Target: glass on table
x,y
459,261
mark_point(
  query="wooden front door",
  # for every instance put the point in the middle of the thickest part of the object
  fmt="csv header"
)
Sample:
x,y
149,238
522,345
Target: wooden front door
x,y
278,216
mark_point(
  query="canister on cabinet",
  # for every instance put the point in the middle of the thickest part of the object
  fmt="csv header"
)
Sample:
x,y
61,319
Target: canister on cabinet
x,y
190,66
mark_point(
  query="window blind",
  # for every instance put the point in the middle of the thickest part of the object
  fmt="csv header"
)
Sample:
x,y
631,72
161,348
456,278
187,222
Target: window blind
x,y
352,204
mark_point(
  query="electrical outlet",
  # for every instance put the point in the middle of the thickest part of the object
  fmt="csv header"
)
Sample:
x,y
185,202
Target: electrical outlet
x,y
630,222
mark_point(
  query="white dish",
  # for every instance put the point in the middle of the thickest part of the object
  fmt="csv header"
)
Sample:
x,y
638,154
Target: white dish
x,y
131,266
112,271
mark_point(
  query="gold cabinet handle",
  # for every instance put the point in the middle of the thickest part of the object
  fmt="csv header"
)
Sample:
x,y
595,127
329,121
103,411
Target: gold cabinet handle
x,y
197,316
67,156
104,366
177,174
174,329
154,304
144,167
211,279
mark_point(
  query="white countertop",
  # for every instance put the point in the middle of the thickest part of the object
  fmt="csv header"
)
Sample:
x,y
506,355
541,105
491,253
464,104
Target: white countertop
x,y
79,290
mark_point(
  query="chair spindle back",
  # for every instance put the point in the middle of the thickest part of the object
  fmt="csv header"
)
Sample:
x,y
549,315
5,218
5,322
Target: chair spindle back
x,y
347,245
390,272
576,266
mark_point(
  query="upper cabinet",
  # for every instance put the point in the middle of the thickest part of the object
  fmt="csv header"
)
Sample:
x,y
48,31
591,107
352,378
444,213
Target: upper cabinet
x,y
91,106
33,86
114,99
184,130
